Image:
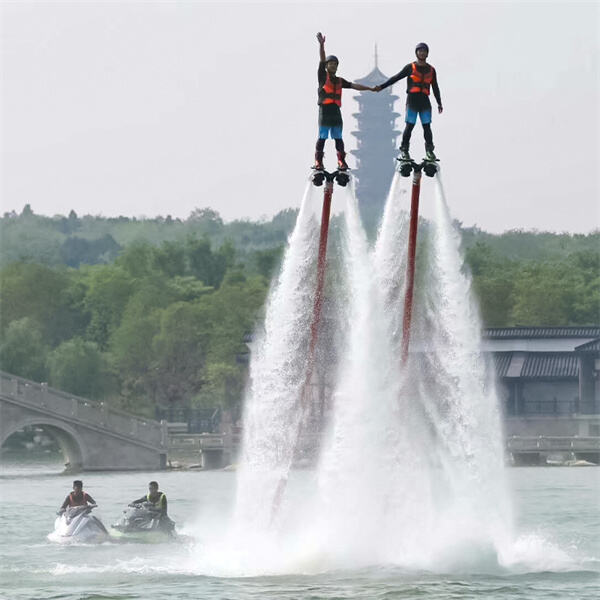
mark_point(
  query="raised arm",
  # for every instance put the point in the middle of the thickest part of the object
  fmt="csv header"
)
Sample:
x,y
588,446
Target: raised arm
x,y
321,39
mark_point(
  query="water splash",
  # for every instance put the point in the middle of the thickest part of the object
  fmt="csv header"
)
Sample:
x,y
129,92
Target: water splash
x,y
411,471
455,387
277,374
359,452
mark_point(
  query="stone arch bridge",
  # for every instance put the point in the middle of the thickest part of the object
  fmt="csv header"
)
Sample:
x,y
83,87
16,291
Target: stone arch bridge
x,y
92,436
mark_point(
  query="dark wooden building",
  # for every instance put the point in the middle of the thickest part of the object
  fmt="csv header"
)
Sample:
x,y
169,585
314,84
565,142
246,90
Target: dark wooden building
x,y
549,379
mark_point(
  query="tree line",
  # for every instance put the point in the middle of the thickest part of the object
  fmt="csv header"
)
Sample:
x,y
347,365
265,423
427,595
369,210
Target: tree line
x,y
153,312
159,326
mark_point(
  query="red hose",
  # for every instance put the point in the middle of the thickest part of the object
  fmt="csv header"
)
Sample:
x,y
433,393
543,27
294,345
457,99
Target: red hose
x,y
410,267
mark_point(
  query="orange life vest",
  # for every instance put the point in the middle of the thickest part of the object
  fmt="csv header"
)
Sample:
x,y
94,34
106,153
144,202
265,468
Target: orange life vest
x,y
420,82
75,502
331,93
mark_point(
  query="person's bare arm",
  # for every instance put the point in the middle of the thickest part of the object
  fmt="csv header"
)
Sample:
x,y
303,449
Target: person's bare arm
x,y
321,39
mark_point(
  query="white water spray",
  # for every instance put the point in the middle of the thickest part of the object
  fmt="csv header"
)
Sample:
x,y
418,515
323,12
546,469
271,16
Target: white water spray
x,y
411,472
359,451
414,468
277,375
455,387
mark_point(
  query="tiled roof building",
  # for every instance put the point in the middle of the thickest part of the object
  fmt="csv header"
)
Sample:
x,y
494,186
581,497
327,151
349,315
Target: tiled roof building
x,y
550,378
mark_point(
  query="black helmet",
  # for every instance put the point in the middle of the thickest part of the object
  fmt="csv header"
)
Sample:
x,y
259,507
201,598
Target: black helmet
x,y
332,57
422,46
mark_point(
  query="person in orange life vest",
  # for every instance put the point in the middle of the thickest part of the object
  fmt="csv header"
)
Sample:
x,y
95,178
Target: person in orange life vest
x,y
329,101
421,77
77,497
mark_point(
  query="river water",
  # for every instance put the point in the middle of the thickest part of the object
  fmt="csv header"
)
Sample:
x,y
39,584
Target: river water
x,y
557,546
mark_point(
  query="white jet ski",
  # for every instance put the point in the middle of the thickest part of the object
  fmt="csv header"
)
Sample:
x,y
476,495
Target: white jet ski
x,y
77,525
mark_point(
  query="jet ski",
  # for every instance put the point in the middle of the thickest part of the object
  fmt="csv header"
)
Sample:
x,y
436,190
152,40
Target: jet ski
x,y
142,522
77,525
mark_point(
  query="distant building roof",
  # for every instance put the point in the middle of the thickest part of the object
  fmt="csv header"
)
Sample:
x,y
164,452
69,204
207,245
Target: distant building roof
x,y
537,365
593,346
502,362
552,365
508,333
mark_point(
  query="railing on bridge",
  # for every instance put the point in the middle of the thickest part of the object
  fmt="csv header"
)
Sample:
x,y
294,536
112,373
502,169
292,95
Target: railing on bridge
x,y
192,420
81,410
550,407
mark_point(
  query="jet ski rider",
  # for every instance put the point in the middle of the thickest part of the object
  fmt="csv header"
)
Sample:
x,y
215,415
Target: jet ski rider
x,y
77,497
158,501
155,497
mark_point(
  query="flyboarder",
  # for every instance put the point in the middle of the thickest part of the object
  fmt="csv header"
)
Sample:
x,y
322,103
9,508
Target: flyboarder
x,y
330,100
421,77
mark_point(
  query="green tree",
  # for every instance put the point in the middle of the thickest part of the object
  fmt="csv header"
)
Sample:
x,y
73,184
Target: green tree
x,y
188,288
169,259
206,221
51,297
207,266
233,311
22,350
223,386
265,262
131,343
109,289
75,250
137,259
545,294
180,349
585,309
79,367
493,282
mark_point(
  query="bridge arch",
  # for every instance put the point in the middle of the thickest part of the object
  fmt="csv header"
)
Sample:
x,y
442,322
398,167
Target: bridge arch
x,y
69,441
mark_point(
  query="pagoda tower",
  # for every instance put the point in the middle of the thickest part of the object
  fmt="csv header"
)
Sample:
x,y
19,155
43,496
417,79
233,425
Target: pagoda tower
x,y
376,147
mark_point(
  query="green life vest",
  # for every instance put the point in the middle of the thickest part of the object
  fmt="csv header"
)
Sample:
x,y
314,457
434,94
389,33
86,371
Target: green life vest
x,y
159,503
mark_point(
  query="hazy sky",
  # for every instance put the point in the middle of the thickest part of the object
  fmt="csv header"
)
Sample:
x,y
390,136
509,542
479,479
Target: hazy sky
x,y
147,108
